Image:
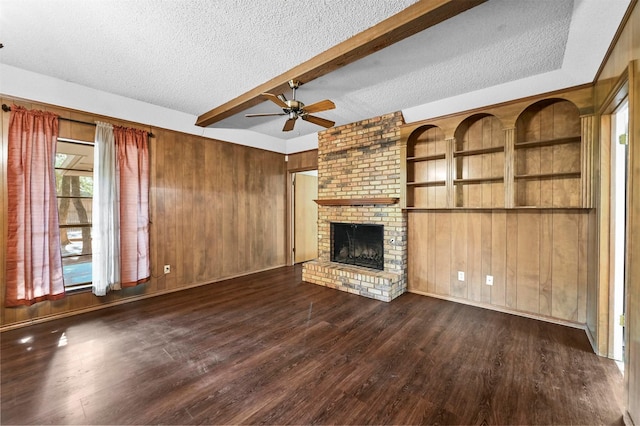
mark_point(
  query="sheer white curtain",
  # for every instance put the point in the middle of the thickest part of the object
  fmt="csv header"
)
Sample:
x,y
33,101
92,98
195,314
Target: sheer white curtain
x,y
105,215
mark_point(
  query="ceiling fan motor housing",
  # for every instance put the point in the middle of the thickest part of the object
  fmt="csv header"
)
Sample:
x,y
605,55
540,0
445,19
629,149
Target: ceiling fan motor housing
x,y
294,105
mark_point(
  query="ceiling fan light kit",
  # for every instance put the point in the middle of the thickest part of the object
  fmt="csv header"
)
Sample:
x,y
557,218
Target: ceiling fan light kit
x,y
295,109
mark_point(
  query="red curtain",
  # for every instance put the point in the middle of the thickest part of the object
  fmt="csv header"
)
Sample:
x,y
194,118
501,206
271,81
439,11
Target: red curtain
x,y
132,150
34,264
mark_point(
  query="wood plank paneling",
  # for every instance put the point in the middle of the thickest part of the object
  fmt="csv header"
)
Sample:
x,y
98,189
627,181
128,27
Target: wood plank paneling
x,y
566,230
217,210
624,56
546,263
424,270
230,214
474,257
511,263
200,244
528,258
537,259
431,265
458,246
443,243
306,160
498,267
632,366
186,253
486,241
170,222
213,210
422,253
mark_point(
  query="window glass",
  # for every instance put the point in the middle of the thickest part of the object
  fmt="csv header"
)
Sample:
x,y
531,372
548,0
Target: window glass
x,y
74,188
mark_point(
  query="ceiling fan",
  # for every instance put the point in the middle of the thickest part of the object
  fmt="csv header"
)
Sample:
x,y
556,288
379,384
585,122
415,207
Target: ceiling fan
x,y
294,109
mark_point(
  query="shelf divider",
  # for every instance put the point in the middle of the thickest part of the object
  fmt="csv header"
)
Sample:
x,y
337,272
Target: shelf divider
x,y
427,183
469,152
427,158
547,142
478,180
542,176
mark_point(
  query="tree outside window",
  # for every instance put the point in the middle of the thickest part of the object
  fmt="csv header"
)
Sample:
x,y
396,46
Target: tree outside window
x,y
74,187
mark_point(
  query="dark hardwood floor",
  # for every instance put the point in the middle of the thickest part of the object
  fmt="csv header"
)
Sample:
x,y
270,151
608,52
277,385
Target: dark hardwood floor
x,y
271,349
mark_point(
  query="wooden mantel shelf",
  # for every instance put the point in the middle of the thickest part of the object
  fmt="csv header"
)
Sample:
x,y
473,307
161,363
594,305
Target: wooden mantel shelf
x,y
356,201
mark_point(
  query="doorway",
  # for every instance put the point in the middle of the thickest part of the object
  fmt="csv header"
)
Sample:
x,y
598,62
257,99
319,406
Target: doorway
x,y
619,185
305,216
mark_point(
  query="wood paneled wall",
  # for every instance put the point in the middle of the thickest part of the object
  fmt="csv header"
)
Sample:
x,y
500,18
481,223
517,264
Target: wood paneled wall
x,y
632,312
538,259
306,160
217,211
219,205
623,58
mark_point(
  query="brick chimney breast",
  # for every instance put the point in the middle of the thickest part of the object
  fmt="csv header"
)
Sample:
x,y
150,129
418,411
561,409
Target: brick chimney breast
x,y
361,161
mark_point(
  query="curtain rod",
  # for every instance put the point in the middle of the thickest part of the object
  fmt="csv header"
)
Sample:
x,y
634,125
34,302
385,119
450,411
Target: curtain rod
x,y
7,108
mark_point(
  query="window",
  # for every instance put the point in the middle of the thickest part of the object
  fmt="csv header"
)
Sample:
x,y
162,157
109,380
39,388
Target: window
x,y
74,188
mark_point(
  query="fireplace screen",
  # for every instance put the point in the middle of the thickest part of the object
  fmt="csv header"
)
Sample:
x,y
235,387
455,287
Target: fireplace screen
x,y
358,244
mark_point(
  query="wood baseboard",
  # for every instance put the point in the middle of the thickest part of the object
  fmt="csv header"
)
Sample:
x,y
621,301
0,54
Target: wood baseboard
x,y
504,310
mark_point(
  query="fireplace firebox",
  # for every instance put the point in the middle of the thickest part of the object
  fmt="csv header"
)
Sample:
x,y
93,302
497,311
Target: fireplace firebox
x,y
358,244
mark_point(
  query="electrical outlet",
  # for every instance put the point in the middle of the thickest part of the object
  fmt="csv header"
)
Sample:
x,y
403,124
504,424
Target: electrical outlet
x,y
167,269
460,276
489,279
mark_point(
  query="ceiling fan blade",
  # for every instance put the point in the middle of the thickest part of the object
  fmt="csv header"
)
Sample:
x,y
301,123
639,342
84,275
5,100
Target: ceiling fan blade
x,y
319,121
265,114
320,106
288,125
275,99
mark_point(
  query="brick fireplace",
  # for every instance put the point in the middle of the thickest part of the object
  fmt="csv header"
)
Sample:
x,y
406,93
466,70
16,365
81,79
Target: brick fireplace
x,y
359,183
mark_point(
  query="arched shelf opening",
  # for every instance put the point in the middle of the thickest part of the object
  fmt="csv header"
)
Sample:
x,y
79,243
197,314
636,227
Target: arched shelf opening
x,y
426,168
478,162
548,155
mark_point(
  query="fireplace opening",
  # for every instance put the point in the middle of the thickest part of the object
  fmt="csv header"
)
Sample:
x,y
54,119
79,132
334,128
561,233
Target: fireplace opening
x,y
358,244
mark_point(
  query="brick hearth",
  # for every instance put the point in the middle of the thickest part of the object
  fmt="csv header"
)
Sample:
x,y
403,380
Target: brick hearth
x,y
356,161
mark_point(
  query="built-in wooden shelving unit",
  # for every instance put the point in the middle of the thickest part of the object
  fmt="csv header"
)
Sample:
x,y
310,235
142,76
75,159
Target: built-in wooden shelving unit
x,y
547,155
478,162
533,153
426,167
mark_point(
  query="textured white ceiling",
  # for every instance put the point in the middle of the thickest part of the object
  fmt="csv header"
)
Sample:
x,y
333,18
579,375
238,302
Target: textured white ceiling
x,y
187,55
499,41
194,55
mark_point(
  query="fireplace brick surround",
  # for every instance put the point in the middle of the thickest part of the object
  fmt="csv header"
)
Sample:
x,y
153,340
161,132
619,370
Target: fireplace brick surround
x,y
361,161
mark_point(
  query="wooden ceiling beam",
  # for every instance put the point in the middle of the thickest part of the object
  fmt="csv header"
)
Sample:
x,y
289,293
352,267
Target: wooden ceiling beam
x,y
412,20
